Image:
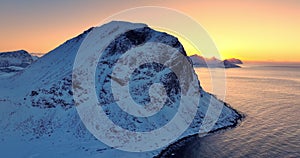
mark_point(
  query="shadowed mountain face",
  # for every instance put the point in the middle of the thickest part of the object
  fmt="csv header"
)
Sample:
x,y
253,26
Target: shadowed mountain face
x,y
43,118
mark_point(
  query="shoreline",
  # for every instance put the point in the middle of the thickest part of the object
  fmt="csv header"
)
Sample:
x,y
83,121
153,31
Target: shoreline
x,y
167,151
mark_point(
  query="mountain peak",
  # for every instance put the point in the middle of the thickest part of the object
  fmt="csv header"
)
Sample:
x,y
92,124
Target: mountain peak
x,y
120,23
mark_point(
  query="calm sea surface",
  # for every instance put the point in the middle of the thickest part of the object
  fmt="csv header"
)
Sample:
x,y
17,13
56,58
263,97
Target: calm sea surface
x,y
269,96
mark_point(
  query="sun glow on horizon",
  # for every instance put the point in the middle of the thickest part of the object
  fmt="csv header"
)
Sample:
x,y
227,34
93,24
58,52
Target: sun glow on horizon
x,y
248,30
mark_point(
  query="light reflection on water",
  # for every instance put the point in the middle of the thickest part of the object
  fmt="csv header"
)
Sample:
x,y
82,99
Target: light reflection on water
x,y
269,96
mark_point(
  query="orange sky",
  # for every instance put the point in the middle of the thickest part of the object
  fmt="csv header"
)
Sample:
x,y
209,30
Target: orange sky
x,y
265,30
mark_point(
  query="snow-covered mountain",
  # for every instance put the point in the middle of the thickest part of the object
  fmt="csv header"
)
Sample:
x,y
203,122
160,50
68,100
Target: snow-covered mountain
x,y
15,61
199,61
38,117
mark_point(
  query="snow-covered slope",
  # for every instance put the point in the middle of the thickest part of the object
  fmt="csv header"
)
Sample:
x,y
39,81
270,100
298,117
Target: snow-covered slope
x,y
15,61
37,113
199,61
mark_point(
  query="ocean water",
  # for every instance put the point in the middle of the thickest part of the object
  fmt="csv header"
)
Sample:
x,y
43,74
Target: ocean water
x,y
269,96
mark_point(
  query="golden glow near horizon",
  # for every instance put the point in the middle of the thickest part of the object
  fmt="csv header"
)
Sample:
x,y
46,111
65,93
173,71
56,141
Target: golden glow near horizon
x,y
264,30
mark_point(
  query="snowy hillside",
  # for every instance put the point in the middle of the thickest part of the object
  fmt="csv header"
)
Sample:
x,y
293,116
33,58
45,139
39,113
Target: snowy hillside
x,y
38,117
20,58
199,61
13,62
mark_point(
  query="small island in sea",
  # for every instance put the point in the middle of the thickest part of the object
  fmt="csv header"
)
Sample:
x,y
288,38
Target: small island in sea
x,y
200,61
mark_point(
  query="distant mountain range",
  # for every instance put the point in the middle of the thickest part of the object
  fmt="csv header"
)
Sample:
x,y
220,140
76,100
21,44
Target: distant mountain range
x,y
200,61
